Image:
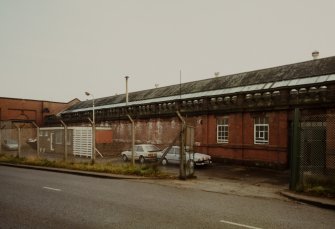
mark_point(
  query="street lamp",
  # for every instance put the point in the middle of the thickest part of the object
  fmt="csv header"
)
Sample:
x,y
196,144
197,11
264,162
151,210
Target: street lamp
x,y
93,127
127,77
89,94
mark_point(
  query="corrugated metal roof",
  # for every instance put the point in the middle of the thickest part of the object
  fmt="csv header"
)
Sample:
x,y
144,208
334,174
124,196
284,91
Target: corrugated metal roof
x,y
315,71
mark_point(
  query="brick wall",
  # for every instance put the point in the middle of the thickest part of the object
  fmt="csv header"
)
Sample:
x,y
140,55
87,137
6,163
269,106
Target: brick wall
x,y
241,145
24,109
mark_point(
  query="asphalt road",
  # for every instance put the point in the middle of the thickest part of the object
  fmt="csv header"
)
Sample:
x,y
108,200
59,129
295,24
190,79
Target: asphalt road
x,y
39,199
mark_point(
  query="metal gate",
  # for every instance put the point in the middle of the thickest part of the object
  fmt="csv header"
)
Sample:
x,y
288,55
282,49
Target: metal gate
x,y
313,152
82,141
313,147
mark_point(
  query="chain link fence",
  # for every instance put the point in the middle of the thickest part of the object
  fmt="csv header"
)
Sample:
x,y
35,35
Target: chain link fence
x,y
316,152
18,140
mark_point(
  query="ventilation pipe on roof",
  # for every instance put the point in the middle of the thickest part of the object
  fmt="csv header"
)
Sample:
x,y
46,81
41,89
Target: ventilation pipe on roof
x,y
315,55
127,77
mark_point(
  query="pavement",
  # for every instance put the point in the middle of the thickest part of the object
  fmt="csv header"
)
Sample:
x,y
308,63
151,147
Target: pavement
x,y
219,178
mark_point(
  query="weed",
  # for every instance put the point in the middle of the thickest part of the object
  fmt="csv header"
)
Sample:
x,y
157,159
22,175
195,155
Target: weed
x,y
125,169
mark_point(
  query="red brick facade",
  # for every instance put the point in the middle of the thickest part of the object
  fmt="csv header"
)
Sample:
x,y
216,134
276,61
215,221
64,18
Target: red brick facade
x,y
30,110
240,146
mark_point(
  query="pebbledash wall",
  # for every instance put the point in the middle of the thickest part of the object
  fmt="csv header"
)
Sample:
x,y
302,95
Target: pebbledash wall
x,y
244,117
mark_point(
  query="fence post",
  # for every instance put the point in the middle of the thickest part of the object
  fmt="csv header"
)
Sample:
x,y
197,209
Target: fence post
x,y
65,139
1,138
93,140
182,169
132,139
37,139
295,157
19,142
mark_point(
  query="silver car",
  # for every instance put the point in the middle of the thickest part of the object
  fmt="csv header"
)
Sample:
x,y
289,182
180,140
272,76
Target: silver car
x,y
173,157
142,152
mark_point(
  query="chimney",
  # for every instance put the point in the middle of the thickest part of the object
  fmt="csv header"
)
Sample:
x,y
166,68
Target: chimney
x,y
315,55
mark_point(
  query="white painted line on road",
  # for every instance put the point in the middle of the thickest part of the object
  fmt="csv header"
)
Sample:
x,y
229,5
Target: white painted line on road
x,y
53,189
240,225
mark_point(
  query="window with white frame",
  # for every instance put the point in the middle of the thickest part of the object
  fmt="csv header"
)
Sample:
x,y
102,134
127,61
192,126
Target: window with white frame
x,y
261,130
222,130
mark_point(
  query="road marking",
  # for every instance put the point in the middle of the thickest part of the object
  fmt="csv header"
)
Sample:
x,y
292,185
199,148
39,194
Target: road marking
x,y
240,225
53,189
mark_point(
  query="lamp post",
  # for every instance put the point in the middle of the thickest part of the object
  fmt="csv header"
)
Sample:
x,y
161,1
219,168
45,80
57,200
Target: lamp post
x,y
93,127
127,77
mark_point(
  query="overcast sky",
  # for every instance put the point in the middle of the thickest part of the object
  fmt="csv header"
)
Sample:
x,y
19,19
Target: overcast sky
x,y
58,49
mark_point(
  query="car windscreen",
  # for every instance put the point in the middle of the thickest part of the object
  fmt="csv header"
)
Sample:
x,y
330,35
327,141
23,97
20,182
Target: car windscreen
x,y
10,141
152,148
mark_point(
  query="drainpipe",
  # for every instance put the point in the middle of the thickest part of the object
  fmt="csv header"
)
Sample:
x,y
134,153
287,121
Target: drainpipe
x,y
37,139
132,139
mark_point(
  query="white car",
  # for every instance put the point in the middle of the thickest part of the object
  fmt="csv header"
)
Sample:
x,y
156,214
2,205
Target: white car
x,y
173,157
10,144
142,152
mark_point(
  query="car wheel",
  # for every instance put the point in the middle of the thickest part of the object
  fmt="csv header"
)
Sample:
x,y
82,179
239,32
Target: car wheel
x,y
124,157
190,166
164,161
142,160
191,163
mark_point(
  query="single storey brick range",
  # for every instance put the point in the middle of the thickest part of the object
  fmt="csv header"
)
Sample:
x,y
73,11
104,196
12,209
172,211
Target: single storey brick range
x,y
243,117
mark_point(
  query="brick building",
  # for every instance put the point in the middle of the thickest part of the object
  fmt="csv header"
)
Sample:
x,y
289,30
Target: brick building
x,y
12,109
243,117
22,113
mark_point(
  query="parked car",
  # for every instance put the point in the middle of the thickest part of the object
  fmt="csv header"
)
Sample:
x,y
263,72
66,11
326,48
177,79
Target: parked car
x,y
32,142
10,144
173,157
142,152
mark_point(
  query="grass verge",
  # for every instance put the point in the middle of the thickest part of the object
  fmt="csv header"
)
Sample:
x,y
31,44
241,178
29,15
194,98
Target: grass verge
x,y
124,169
318,185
